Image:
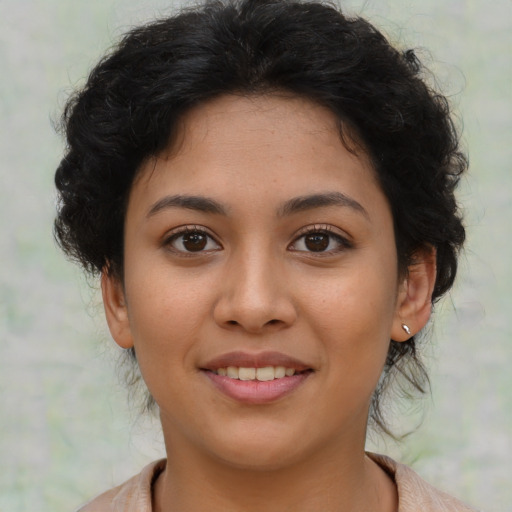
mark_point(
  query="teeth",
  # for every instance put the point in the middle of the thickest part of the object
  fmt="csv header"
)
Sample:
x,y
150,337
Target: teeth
x,y
262,374
280,372
232,372
246,373
266,373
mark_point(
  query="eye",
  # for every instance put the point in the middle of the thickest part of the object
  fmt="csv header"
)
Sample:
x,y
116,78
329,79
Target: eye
x,y
320,240
191,240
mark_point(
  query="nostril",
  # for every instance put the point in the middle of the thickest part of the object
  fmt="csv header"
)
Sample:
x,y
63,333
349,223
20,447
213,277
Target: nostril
x,y
234,323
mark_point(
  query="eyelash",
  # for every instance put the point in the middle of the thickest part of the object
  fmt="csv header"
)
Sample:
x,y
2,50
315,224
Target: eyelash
x,y
323,229
181,232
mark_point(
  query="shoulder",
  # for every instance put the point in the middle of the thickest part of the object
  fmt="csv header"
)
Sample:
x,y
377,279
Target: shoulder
x,y
132,496
414,493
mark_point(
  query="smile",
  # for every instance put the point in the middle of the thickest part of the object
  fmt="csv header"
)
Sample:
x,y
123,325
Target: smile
x,y
256,378
264,374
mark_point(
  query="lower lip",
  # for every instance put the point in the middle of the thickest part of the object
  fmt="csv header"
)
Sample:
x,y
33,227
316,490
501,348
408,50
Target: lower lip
x,y
255,391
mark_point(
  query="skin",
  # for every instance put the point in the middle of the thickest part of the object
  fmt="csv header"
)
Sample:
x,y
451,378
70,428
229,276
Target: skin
x,y
258,286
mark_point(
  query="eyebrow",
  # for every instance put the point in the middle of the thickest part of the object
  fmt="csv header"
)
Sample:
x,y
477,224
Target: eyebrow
x,y
295,205
309,202
197,203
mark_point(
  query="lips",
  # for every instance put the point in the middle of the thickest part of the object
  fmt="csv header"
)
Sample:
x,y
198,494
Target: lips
x,y
256,378
259,360
263,373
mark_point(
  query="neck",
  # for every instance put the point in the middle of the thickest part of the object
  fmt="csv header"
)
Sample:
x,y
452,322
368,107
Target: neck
x,y
337,480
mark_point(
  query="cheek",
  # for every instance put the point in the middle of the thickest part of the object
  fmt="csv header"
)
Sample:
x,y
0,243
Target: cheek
x,y
166,311
165,321
348,300
352,313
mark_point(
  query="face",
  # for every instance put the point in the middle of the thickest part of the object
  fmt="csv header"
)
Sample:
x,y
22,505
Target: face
x,y
260,288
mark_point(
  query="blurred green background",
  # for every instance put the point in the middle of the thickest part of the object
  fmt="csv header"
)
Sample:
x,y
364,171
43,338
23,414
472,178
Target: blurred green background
x,y
66,431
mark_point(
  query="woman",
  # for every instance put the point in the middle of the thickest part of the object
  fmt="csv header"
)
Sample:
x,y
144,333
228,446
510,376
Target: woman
x,y
266,189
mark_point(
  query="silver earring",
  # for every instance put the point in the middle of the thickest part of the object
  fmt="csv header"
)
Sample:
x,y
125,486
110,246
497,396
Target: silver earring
x,y
405,327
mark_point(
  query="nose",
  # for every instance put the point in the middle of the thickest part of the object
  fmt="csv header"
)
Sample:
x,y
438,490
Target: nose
x,y
254,295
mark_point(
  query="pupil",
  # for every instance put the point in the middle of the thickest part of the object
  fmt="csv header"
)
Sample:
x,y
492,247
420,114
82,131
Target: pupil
x,y
317,242
194,242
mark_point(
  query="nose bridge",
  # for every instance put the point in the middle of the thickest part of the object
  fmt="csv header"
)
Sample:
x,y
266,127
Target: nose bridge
x,y
255,277
254,292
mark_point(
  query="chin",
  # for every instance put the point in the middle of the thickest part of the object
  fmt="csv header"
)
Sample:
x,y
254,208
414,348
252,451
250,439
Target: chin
x,y
260,459
261,449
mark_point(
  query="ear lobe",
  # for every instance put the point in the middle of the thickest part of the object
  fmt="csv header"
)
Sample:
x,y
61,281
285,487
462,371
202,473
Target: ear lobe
x,y
116,311
414,302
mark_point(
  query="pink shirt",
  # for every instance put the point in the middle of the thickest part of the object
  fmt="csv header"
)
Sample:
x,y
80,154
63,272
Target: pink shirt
x,y
414,494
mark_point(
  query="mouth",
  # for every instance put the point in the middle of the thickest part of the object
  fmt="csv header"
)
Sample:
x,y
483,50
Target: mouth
x,y
256,378
263,374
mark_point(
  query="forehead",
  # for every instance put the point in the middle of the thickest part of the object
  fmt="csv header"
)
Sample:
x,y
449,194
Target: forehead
x,y
267,112
233,126
267,147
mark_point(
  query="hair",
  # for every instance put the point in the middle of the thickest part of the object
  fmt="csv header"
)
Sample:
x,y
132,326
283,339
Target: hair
x,y
129,108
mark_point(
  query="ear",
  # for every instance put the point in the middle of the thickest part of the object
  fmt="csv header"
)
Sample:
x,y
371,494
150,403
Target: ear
x,y
414,302
116,311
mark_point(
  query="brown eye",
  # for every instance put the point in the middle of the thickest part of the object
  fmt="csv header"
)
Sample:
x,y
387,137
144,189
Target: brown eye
x,y
192,240
195,241
317,242
322,240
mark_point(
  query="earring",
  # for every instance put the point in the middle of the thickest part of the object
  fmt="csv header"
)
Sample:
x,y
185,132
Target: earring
x,y
405,327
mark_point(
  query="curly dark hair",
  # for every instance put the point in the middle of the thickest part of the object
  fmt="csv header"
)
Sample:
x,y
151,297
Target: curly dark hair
x,y
128,111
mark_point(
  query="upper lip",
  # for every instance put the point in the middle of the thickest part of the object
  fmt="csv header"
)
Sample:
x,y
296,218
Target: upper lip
x,y
255,360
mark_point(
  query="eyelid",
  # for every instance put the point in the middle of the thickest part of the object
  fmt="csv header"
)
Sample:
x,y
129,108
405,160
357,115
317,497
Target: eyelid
x,y
178,231
341,237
